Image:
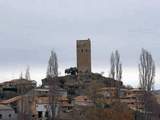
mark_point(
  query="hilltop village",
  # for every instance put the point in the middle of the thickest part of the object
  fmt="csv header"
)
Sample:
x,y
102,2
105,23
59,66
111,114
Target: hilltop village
x,y
79,95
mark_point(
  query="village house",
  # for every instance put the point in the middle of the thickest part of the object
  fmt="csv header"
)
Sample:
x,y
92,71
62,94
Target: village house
x,y
7,113
134,98
16,87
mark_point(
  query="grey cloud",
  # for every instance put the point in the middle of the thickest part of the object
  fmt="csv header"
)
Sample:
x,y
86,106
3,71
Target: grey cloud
x,y
30,29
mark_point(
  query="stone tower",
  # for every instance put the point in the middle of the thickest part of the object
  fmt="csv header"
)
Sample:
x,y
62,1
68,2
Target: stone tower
x,y
84,56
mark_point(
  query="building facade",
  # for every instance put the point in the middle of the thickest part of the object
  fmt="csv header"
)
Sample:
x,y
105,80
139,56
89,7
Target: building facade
x,y
7,113
16,87
84,56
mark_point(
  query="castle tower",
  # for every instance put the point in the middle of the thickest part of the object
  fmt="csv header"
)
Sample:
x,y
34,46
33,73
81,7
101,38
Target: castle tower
x,y
84,56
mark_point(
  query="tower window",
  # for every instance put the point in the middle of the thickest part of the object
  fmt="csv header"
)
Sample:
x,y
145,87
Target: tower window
x,y
82,50
9,115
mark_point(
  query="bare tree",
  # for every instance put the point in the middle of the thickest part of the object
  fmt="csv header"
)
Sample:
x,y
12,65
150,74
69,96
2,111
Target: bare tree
x,y
52,74
21,76
52,70
146,81
146,70
116,66
116,69
112,70
27,74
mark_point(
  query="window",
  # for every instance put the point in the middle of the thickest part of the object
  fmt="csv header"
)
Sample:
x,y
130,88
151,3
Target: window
x,y
9,115
46,114
39,114
82,50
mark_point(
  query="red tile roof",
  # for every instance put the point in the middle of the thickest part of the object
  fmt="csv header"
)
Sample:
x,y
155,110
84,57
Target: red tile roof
x,y
14,99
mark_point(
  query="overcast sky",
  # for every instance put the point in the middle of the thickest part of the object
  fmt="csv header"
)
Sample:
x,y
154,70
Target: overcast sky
x,y
30,29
